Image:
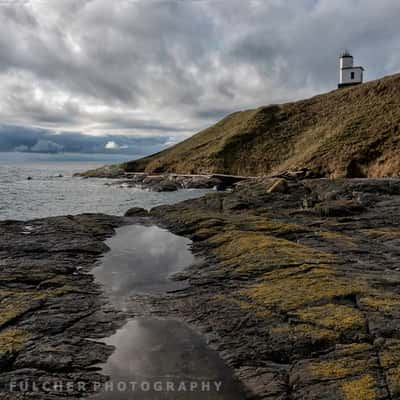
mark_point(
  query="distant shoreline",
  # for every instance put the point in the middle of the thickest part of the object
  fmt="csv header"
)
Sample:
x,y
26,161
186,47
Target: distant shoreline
x,y
20,157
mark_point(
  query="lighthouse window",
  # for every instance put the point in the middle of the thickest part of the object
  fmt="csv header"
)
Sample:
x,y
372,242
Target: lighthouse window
x,y
352,75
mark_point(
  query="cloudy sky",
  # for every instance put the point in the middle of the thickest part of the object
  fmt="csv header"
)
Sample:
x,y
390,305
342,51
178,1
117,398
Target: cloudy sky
x,y
154,72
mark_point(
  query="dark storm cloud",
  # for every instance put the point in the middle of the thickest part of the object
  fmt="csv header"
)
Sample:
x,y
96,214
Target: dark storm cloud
x,y
21,139
168,68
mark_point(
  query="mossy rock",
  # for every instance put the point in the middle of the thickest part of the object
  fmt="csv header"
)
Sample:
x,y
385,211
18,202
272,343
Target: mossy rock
x,y
16,303
361,388
278,186
301,286
345,319
253,252
389,356
11,342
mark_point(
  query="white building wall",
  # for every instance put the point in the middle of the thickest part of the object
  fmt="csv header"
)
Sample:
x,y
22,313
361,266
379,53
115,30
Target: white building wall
x,y
346,62
346,75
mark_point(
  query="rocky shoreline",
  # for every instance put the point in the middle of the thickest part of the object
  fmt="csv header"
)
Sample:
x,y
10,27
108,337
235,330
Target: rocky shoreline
x,y
298,291
162,182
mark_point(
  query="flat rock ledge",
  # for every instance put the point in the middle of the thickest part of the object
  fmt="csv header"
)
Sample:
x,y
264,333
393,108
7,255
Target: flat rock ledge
x,y
299,291
50,306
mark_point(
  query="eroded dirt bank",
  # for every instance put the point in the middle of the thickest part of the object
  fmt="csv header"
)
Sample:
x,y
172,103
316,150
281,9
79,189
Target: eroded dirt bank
x,y
300,291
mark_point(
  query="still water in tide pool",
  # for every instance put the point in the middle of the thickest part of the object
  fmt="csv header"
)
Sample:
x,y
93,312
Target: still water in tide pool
x,y
156,358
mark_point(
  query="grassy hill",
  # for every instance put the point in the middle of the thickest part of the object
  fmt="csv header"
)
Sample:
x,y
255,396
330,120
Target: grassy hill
x,y
351,132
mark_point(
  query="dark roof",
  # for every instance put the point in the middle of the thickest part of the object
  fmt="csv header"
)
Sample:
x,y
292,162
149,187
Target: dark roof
x,y
346,54
354,68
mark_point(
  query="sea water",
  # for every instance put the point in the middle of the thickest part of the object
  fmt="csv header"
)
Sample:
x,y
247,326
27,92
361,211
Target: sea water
x,y
38,186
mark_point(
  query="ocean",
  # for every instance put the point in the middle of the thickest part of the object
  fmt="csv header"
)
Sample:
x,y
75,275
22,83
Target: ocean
x,y
42,185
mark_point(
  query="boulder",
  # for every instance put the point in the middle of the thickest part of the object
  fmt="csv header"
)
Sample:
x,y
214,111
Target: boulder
x,y
136,212
278,186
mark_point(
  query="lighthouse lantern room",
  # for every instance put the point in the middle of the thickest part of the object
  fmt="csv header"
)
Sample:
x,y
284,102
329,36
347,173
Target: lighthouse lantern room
x,y
349,74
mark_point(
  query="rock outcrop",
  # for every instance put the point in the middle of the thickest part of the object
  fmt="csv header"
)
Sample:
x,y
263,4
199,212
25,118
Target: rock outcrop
x,y
163,182
300,288
50,306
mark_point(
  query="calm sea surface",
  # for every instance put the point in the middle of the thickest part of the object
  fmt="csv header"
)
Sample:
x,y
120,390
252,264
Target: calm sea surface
x,y
53,191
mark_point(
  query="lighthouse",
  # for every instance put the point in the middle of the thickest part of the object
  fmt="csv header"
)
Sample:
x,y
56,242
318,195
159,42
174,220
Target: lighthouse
x,y
349,74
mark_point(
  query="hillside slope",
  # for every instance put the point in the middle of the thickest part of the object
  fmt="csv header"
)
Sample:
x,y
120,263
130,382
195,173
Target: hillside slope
x,y
351,132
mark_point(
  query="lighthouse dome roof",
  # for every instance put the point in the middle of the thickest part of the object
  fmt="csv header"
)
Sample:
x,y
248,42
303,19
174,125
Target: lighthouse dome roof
x,y
345,54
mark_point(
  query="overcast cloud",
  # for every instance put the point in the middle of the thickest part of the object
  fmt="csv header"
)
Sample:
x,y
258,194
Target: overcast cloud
x,y
165,69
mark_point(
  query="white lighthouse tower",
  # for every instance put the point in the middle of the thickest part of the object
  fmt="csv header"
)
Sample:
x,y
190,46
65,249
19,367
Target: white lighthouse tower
x,y
349,74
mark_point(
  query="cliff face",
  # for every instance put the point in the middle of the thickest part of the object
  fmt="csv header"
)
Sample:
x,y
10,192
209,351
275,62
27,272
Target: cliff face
x,y
350,132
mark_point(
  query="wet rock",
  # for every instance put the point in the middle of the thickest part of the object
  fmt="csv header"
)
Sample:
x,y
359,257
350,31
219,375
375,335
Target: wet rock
x,y
165,186
108,171
162,182
338,208
201,182
136,212
50,305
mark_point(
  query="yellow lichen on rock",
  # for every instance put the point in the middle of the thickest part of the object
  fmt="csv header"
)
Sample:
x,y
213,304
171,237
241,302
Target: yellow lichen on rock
x,y
390,360
381,302
16,303
329,370
191,217
263,224
393,381
12,340
390,354
388,232
338,238
333,316
344,362
362,388
296,332
244,252
286,292
205,233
